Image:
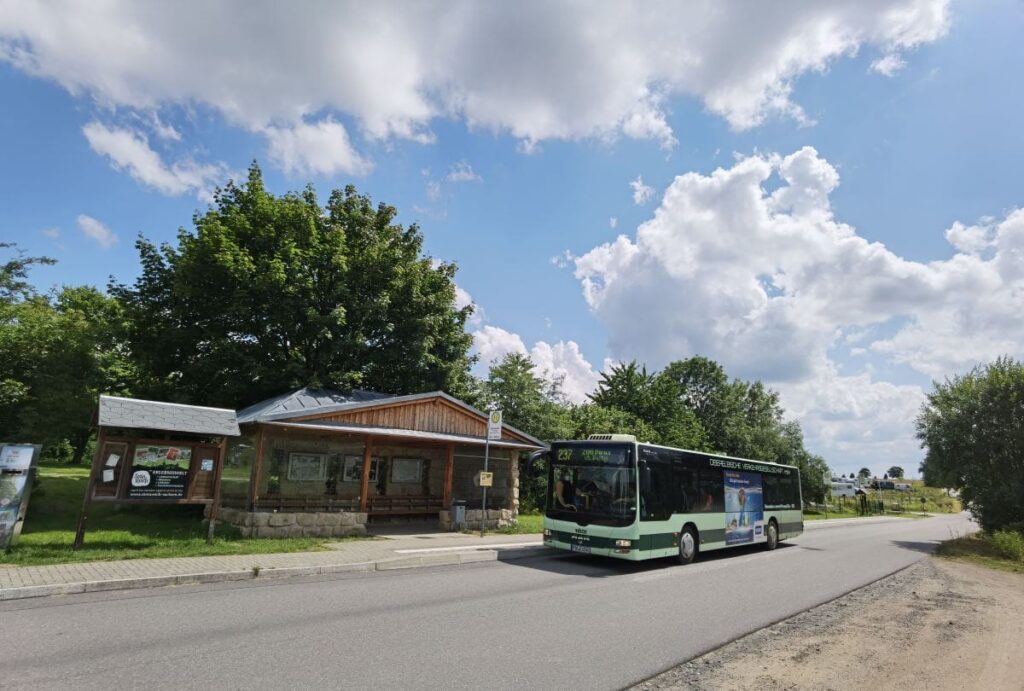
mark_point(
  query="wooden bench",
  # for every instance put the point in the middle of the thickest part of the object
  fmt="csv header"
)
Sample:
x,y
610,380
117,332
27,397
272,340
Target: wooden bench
x,y
404,506
274,501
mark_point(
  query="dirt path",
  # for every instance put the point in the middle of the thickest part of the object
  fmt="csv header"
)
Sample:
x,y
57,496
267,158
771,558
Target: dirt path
x,y
936,625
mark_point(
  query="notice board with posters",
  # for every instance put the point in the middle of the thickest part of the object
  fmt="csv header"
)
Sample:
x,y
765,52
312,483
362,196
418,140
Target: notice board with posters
x,y
164,471
157,452
133,470
16,463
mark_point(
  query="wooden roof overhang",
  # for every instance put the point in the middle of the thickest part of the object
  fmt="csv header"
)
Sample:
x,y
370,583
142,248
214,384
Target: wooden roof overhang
x,y
379,433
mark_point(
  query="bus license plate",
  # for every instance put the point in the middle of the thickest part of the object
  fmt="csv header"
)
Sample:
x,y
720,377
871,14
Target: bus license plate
x,y
584,549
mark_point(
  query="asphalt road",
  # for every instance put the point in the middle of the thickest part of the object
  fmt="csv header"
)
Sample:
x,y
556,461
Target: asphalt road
x,y
549,622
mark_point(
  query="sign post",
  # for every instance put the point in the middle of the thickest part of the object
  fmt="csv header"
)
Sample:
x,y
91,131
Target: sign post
x,y
493,433
16,463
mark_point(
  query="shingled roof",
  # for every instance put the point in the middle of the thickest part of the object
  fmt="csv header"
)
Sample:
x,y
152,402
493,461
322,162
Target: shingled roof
x,y
306,401
134,413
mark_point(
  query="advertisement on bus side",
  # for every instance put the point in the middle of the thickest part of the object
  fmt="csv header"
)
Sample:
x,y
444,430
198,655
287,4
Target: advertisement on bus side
x,y
744,507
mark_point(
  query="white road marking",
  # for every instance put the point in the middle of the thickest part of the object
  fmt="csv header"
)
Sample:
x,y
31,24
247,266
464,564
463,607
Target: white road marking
x,y
461,548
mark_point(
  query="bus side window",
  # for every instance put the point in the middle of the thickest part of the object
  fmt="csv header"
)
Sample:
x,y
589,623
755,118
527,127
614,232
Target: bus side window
x,y
687,491
660,500
712,489
770,483
791,490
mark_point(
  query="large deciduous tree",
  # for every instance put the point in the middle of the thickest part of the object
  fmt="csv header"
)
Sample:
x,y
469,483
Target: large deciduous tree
x,y
274,292
653,399
972,428
58,352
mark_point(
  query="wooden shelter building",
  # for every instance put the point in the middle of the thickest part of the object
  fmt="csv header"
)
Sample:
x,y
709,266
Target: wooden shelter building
x,y
325,462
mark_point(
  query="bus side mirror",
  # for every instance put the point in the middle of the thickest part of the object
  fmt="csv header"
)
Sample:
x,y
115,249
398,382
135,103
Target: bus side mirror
x,y
645,477
534,457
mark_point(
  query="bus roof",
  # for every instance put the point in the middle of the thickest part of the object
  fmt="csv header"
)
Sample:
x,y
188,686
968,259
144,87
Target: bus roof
x,y
674,448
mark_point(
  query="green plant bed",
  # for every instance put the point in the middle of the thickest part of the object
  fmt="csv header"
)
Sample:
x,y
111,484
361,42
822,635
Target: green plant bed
x,y
984,549
526,524
125,532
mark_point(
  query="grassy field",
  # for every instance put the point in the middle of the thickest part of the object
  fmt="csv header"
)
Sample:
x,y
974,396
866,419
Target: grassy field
x,y
127,532
896,503
987,550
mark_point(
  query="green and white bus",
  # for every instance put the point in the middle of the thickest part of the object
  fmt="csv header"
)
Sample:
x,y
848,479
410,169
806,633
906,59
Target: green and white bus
x,y
615,497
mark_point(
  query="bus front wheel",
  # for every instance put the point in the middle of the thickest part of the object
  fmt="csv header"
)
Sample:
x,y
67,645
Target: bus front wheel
x,y
687,545
772,532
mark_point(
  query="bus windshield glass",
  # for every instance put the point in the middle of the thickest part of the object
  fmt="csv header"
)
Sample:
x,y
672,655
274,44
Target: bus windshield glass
x,y
592,484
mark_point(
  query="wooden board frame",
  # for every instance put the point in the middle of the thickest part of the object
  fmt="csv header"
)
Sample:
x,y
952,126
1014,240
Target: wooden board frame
x,y
123,467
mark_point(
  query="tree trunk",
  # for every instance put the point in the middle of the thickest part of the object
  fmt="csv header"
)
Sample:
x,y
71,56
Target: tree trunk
x,y
79,442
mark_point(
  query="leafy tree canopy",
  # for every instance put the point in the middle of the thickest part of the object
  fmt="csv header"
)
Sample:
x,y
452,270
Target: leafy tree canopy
x,y
972,428
270,293
58,352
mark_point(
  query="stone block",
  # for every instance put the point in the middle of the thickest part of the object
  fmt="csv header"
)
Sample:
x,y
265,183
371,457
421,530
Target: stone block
x,y
260,518
306,519
330,520
354,531
277,520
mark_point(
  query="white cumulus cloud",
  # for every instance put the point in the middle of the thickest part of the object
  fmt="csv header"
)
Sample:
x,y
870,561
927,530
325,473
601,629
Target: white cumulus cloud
x,y
749,266
641,193
535,71
561,362
318,148
463,172
130,151
888,65
96,231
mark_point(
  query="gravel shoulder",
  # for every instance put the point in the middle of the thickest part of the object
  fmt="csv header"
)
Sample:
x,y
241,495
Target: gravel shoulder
x,y
938,624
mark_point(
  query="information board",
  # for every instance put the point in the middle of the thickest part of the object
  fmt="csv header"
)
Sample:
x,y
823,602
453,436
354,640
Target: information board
x,y
159,472
16,461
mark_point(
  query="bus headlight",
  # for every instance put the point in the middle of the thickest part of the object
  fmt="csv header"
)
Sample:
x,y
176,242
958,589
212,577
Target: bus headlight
x,y
547,532
624,544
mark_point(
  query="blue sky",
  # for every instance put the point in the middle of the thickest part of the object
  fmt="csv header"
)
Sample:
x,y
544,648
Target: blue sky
x,y
513,136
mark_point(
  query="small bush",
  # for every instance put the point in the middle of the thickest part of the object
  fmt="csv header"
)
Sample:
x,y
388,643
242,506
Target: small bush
x,y
1009,544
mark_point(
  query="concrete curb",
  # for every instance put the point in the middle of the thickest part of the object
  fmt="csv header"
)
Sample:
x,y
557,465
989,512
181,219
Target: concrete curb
x,y
406,562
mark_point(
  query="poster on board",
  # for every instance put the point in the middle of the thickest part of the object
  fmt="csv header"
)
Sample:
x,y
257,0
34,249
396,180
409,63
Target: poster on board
x,y
744,507
15,486
159,472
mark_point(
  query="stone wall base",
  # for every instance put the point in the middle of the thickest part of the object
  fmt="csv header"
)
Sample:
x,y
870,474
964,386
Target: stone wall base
x,y
294,524
496,518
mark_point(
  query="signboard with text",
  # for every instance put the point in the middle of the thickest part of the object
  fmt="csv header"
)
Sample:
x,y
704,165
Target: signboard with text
x,y
494,426
159,472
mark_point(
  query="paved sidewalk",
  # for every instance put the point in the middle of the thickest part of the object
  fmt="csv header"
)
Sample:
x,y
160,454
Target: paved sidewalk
x,y
405,551
397,551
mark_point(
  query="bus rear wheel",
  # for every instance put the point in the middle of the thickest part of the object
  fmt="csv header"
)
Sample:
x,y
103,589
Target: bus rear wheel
x,y
772,532
687,545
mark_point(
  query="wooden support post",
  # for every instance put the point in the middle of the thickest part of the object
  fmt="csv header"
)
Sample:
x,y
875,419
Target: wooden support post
x,y
90,486
364,492
257,468
449,473
218,470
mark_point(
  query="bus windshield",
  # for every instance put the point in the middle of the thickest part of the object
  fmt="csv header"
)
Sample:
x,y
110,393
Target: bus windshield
x,y
592,484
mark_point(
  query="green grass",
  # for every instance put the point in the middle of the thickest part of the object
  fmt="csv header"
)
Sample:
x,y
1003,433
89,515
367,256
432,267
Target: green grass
x,y
125,532
986,550
526,523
